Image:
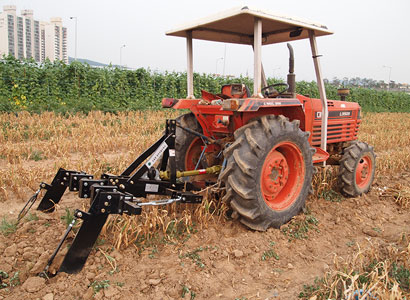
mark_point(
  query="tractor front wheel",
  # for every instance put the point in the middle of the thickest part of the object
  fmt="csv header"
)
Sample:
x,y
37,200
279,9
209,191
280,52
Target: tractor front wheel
x,y
356,170
269,172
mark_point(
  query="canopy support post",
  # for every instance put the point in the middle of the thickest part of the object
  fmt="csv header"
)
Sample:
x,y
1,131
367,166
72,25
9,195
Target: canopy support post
x,y
322,91
257,52
190,66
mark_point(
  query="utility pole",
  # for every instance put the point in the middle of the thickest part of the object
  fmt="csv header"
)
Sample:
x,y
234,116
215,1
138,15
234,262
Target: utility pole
x,y
223,73
75,56
123,46
216,64
388,84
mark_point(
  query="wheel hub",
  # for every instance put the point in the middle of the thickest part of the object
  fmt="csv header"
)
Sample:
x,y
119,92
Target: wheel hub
x,y
275,175
282,176
363,171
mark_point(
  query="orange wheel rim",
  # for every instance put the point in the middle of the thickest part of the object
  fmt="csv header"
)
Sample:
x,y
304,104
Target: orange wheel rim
x,y
283,175
193,153
364,171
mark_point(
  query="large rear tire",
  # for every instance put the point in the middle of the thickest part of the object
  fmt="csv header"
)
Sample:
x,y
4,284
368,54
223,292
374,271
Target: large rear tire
x,y
356,171
187,145
269,172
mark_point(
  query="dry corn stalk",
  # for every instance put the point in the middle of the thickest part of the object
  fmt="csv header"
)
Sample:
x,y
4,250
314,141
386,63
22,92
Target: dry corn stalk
x,y
373,272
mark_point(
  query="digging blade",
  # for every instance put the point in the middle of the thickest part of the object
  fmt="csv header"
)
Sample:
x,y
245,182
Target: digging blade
x,y
83,243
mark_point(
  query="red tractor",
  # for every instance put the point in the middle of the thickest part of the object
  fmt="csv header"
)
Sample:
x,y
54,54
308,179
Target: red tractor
x,y
274,136
260,147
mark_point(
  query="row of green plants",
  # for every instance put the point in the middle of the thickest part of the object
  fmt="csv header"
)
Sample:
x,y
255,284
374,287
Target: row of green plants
x,y
55,86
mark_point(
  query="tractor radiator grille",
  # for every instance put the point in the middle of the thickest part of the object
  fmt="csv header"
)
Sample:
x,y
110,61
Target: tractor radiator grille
x,y
336,132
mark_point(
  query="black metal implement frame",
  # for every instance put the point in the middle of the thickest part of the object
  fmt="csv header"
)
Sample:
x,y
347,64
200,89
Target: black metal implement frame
x,y
114,194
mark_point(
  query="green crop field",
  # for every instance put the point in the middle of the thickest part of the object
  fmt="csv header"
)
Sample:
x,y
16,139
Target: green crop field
x,y
25,85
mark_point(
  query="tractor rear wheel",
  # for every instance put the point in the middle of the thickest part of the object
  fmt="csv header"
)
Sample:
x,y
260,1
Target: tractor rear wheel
x,y
269,172
187,145
356,171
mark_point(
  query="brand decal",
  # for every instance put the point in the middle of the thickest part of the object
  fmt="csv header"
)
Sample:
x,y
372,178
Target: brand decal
x,y
345,113
335,114
254,105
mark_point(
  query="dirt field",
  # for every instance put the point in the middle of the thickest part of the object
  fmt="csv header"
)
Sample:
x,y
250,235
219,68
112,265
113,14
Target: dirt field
x,y
205,257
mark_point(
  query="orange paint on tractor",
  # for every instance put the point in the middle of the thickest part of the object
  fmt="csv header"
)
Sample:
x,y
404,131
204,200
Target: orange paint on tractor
x,y
343,121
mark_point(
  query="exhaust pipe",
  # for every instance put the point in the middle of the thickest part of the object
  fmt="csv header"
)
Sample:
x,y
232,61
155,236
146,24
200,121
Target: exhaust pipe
x,y
291,75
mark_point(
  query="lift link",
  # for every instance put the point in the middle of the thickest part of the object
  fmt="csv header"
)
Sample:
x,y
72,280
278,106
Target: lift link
x,y
202,136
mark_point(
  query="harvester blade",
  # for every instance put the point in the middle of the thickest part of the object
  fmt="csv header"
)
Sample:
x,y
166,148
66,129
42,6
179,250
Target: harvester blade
x,y
83,243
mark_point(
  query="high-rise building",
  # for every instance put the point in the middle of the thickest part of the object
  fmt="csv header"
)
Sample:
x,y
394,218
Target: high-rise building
x,y
24,37
55,35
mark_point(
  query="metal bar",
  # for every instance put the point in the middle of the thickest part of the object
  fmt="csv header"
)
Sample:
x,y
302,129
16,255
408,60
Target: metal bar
x,y
156,153
201,156
257,49
135,164
322,91
160,202
190,66
264,82
164,160
50,261
172,151
208,139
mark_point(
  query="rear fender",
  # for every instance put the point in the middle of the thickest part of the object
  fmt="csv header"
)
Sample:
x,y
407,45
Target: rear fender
x,y
291,112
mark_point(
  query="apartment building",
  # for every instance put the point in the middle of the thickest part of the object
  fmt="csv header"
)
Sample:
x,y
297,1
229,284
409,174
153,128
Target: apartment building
x,y
24,37
55,40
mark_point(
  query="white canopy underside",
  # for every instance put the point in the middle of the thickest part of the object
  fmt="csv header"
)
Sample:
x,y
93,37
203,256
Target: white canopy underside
x,y
237,26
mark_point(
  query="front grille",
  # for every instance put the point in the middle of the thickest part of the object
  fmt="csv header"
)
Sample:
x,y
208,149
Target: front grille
x,y
335,132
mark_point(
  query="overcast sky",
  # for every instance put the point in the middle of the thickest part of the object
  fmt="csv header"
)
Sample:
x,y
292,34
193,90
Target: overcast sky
x,y
369,34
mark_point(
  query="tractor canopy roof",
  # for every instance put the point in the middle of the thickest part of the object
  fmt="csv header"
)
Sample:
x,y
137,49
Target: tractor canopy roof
x,y
237,26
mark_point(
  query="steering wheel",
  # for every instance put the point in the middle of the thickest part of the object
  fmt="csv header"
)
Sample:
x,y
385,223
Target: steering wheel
x,y
270,91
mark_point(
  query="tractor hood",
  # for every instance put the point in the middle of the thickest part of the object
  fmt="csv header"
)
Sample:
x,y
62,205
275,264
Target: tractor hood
x,y
237,26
